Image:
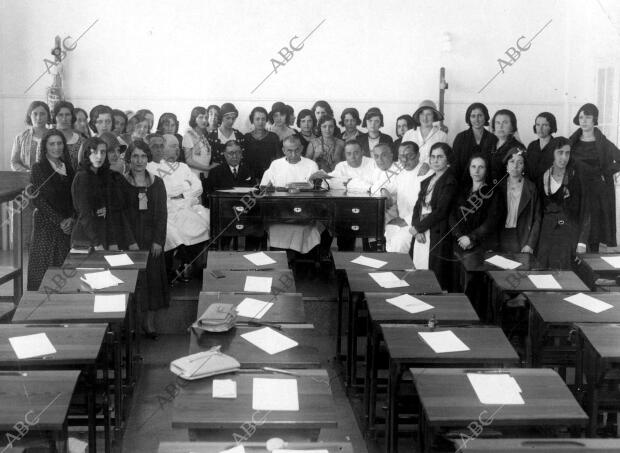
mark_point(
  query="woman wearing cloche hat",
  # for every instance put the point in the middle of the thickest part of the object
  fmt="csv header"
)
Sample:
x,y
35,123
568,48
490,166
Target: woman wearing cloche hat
x,y
424,133
599,159
222,135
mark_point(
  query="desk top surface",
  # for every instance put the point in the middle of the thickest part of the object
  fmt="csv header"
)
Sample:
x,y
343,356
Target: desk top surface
x,y
67,280
304,355
12,183
75,344
96,259
517,280
604,338
333,194
250,447
236,261
420,282
195,407
595,262
47,393
452,308
475,262
540,445
234,281
449,399
287,308
395,261
486,345
62,308
553,308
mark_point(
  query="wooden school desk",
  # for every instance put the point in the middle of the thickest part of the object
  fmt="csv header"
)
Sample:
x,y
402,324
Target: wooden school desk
x,y
96,259
218,419
539,445
47,397
449,401
488,347
37,308
598,360
287,307
78,346
304,355
67,280
361,283
449,309
250,447
234,281
235,261
595,267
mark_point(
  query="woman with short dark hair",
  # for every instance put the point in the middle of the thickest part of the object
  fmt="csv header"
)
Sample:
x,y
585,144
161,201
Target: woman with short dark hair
x,y
149,117
169,124
373,121
140,129
326,150
261,145
64,117
540,151
196,146
321,109
101,119
350,119
404,123
279,119
504,126
120,122
80,122
306,124
26,144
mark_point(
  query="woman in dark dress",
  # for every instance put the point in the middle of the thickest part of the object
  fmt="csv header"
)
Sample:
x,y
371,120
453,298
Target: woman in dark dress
x,y
598,159
540,151
504,126
51,180
475,140
566,216
403,124
431,212
145,195
306,124
261,145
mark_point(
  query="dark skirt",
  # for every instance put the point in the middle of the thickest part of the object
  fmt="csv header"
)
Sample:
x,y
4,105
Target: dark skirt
x,y
509,241
152,290
557,245
49,248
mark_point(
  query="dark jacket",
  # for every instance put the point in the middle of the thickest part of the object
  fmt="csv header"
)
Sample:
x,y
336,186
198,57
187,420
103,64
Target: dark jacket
x,y
221,177
528,213
259,154
363,141
539,160
498,168
465,146
218,148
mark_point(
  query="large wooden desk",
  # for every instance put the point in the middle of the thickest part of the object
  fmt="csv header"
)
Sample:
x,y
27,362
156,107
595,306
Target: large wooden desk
x,y
67,280
235,261
594,267
47,398
287,307
234,281
304,355
539,445
343,213
250,447
488,347
196,409
96,259
449,401
449,309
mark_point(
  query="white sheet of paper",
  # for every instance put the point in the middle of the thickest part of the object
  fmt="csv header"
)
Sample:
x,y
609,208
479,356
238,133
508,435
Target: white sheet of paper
x,y
544,281
28,346
445,341
370,262
101,280
257,284
118,260
493,388
79,251
275,395
613,261
409,303
237,190
502,262
269,340
224,388
259,259
300,451
237,449
111,303
388,280
253,308
588,302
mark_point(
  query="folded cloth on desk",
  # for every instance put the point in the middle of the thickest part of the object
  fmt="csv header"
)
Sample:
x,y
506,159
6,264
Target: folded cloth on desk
x,y
204,364
217,318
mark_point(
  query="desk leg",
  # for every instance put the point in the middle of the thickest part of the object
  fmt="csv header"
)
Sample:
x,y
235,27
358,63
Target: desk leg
x,y
391,419
368,381
59,439
340,283
91,380
579,369
350,302
118,382
594,366
105,407
354,302
532,343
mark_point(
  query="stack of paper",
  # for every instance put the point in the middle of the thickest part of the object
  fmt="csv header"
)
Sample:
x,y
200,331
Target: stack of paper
x,y
613,261
259,259
370,262
101,280
588,302
28,346
224,388
109,303
444,341
275,395
544,281
269,340
409,303
257,284
496,388
253,308
503,263
237,449
118,260
388,280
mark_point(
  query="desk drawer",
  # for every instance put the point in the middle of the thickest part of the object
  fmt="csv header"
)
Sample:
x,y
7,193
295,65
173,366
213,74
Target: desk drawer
x,y
228,208
358,211
296,209
245,226
363,228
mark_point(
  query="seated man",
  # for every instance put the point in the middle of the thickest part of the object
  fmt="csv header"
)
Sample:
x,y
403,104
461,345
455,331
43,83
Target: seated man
x,y
406,189
292,168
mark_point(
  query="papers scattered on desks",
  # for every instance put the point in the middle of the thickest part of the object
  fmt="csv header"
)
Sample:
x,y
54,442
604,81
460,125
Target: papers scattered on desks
x,y
502,262
544,281
588,302
28,346
79,251
112,303
495,388
118,260
275,395
370,262
388,280
409,303
101,280
253,308
613,261
257,284
259,259
224,388
269,340
445,341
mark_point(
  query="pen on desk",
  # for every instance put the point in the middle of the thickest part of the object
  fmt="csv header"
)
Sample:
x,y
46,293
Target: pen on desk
x,y
264,324
277,370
